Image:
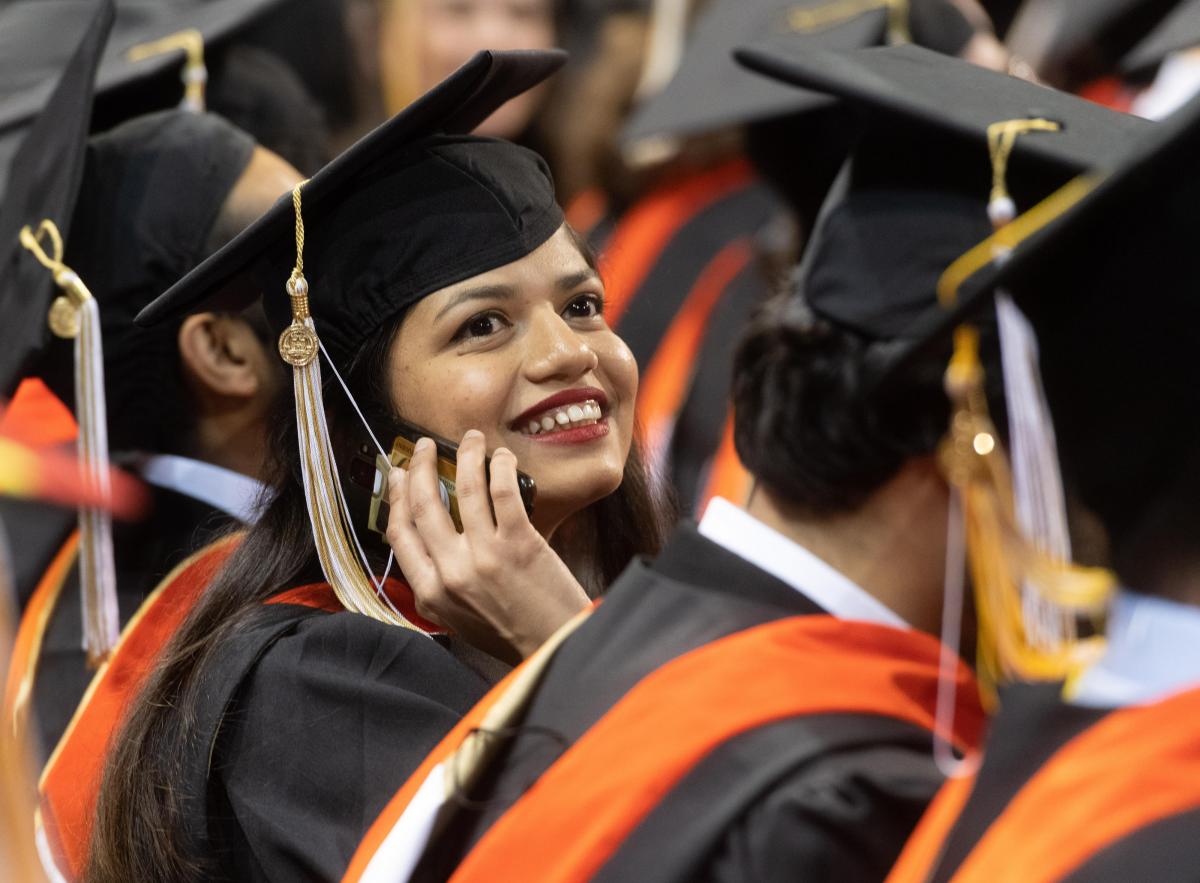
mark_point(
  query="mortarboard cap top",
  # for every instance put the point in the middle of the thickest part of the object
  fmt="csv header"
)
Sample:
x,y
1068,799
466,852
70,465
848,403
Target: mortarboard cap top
x,y
710,90
410,208
921,172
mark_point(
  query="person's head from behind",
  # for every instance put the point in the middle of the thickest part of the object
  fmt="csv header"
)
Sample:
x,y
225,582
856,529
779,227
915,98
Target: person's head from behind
x,y
159,194
840,457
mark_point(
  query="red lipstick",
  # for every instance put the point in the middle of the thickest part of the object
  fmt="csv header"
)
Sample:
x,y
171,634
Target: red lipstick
x,y
562,399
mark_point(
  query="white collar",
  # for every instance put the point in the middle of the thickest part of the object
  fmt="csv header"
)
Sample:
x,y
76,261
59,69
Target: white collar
x,y
741,533
237,495
1153,651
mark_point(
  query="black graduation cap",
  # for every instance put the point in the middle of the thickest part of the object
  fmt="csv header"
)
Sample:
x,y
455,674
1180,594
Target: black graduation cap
x,y
1107,284
1178,31
401,213
921,175
710,91
37,38
152,189
47,158
154,44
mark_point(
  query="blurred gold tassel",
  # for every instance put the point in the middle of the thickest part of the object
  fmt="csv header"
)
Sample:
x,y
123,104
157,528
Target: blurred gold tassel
x,y
829,15
1040,618
342,559
194,73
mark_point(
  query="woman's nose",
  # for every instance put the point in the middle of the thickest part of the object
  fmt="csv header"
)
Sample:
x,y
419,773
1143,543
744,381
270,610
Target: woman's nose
x,y
557,351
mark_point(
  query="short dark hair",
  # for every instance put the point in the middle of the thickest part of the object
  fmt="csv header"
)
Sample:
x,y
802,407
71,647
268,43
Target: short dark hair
x,y
808,427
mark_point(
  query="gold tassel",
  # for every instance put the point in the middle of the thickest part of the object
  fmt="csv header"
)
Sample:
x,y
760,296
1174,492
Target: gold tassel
x,y
1039,616
342,559
75,315
194,74
830,15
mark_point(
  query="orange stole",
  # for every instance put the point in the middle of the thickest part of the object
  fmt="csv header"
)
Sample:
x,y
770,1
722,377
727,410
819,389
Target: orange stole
x,y
27,645
646,229
1136,766
674,717
70,783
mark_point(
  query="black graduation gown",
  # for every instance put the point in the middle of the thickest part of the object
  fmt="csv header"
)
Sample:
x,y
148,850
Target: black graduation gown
x,y
828,797
1035,731
310,721
175,526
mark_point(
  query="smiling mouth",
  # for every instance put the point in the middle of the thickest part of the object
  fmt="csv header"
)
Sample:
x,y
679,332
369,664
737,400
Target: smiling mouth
x,y
562,418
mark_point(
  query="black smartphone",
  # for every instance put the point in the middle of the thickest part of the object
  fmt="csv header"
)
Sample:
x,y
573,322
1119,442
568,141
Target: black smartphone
x,y
368,472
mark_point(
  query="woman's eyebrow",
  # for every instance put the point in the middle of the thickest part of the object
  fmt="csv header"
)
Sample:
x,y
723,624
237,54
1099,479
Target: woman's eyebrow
x,y
483,292
566,283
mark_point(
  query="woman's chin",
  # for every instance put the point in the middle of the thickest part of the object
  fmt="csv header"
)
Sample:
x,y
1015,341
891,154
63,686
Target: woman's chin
x,y
559,499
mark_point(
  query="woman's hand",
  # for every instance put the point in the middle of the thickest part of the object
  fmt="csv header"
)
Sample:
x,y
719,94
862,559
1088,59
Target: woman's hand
x,y
498,584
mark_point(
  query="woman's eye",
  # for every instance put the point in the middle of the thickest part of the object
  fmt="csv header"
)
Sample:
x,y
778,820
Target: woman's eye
x,y
585,306
483,325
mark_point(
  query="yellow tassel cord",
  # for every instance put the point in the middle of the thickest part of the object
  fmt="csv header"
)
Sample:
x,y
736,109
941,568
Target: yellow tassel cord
x,y
1039,616
830,15
342,559
194,74
75,314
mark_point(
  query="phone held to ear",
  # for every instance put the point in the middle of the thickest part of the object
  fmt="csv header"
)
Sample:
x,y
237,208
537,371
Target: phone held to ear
x,y
368,473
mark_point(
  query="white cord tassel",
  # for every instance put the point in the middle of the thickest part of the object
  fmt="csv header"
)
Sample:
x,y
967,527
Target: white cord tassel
x,y
1038,496
75,314
343,561
101,616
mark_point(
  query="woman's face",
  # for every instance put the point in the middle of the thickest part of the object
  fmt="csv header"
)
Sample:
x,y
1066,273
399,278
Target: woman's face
x,y
523,354
451,31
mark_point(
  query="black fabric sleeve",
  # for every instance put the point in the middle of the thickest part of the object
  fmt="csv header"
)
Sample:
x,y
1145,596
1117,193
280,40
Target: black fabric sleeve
x,y
843,817
324,730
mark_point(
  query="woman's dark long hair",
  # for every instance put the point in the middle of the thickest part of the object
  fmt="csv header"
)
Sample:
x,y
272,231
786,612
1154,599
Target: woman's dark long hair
x,y
140,829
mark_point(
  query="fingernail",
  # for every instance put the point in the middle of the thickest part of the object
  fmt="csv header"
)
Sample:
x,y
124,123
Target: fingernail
x,y
500,451
472,434
396,475
423,444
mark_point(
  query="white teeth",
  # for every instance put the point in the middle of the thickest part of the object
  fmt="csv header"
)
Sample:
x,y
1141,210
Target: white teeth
x,y
582,414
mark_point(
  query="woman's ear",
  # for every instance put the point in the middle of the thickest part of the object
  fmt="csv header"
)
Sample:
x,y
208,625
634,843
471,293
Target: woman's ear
x,y
221,356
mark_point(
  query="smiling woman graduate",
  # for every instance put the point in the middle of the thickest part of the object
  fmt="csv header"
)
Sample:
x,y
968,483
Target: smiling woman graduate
x,y
432,279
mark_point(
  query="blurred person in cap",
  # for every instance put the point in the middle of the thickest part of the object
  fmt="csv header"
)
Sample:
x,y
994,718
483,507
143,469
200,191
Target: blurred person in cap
x,y
704,237
365,60
424,282
1093,775
1081,45
188,410
148,51
759,703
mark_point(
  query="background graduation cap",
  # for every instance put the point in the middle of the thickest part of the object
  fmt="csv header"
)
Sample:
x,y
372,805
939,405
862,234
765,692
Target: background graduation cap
x,y
410,208
36,37
709,90
40,195
157,43
926,119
